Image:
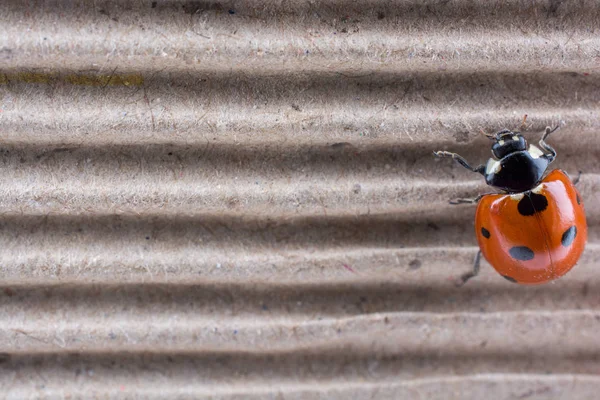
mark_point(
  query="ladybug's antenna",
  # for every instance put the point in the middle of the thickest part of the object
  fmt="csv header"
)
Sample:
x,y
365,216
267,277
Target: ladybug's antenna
x,y
491,136
501,133
497,135
524,123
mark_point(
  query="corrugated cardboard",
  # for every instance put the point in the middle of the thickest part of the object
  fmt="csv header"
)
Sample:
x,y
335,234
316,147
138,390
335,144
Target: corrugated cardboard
x,y
239,199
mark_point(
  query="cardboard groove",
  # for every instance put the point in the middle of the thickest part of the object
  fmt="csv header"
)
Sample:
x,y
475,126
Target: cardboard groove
x,y
219,199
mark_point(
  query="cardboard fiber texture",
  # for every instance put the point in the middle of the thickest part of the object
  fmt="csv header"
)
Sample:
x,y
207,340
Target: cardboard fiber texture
x,y
239,199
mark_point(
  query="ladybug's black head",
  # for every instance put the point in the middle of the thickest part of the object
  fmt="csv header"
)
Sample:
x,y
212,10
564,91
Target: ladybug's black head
x,y
507,142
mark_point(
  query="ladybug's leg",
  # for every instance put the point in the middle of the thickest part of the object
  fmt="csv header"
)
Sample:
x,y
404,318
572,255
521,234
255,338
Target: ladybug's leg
x,y
480,169
467,201
545,146
577,178
473,273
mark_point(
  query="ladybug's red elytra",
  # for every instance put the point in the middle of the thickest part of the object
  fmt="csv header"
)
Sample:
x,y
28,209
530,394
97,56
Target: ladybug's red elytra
x,y
534,231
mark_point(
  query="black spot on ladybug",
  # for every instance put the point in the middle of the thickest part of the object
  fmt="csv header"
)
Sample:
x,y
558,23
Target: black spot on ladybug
x,y
569,236
521,253
578,199
532,203
510,279
485,233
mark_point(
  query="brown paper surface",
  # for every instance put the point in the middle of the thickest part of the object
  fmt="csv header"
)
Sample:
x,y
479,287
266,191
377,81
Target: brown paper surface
x,y
239,199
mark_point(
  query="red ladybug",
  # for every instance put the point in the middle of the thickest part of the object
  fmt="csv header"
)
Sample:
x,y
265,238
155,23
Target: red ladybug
x,y
535,230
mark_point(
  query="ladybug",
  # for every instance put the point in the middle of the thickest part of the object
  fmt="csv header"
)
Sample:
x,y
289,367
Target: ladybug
x,y
534,231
